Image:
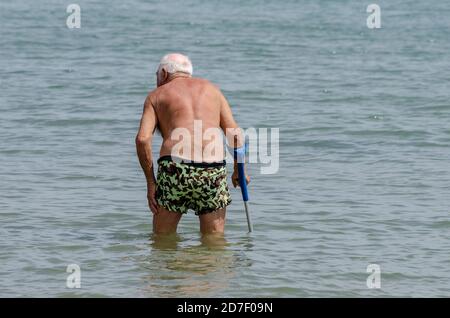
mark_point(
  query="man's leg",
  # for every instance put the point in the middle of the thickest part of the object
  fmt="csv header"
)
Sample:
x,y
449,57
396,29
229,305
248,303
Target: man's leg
x,y
213,222
165,221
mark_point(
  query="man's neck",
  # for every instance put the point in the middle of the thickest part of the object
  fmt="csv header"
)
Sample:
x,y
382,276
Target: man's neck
x,y
178,75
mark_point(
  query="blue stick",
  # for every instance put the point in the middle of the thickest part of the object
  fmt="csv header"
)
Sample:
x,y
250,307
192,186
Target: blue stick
x,y
240,156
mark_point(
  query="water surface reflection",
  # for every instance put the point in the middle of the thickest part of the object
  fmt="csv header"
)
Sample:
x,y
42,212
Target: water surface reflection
x,y
181,267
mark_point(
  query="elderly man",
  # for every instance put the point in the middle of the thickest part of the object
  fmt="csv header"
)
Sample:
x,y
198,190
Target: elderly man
x,y
180,102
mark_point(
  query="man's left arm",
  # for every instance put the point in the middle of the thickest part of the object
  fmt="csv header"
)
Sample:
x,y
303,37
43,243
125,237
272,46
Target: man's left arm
x,y
144,150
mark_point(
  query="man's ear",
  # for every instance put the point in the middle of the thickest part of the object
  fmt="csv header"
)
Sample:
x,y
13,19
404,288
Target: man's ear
x,y
164,75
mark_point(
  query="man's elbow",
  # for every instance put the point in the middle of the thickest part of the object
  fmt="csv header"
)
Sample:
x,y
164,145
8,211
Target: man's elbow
x,y
142,140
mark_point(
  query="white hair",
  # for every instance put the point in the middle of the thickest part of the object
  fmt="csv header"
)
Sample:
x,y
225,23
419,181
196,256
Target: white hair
x,y
175,62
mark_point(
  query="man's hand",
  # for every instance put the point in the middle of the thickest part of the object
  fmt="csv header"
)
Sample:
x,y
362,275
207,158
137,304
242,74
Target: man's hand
x,y
235,178
151,197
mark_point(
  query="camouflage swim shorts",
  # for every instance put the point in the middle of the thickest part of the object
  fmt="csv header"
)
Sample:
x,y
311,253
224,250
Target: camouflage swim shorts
x,y
201,187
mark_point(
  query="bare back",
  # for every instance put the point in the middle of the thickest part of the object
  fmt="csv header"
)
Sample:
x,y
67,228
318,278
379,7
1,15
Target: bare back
x,y
181,102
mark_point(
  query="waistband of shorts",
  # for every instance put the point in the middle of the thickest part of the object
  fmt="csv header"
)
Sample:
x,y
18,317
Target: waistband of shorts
x,y
192,163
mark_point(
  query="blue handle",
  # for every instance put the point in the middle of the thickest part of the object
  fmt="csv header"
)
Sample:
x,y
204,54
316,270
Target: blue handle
x,y
242,182
239,155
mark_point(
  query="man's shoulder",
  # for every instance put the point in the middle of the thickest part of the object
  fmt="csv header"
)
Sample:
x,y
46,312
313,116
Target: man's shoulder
x,y
156,91
206,84
152,97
